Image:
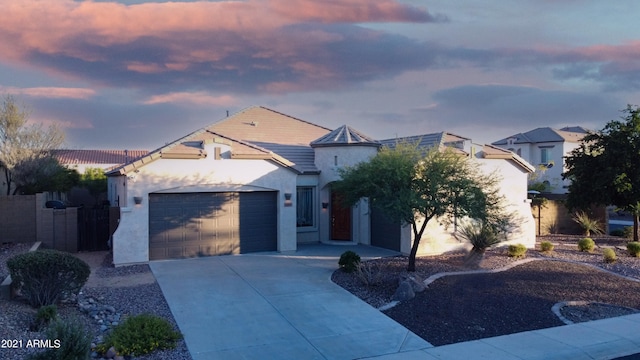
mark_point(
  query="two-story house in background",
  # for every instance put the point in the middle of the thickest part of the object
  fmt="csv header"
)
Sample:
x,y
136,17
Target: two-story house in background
x,y
545,148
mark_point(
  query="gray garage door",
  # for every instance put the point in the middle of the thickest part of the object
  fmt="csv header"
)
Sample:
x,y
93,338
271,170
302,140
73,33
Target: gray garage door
x,y
185,225
384,232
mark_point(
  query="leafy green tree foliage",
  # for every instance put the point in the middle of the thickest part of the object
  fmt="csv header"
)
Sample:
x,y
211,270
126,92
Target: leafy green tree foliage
x,y
414,187
605,169
50,175
94,180
24,149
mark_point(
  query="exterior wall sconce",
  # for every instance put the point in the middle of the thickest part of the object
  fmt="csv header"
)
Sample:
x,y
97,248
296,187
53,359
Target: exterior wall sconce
x,y
287,199
137,200
287,196
325,205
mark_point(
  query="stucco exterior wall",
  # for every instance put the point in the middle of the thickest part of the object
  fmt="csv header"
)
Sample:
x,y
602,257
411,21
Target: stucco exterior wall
x,y
131,239
438,239
329,160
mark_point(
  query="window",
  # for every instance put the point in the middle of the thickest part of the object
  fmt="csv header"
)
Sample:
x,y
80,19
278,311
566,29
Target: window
x,y
545,155
305,206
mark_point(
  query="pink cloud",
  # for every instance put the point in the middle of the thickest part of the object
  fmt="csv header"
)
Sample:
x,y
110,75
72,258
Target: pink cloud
x,y
351,11
253,44
197,98
50,92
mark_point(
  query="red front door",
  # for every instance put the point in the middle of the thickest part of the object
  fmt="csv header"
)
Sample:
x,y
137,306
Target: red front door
x,y
340,219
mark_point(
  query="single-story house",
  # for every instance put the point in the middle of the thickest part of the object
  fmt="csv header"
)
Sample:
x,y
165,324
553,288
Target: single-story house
x,y
260,180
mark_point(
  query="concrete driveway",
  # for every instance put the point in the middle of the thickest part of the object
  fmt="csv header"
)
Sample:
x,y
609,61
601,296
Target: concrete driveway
x,y
271,305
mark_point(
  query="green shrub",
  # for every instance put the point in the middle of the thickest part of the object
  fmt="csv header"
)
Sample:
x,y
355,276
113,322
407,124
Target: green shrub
x,y
46,276
586,244
349,261
587,223
627,232
479,235
546,246
370,273
45,315
617,232
609,255
633,248
517,251
71,337
141,334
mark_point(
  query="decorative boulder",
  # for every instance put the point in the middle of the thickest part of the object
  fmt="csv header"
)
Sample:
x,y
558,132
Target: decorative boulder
x,y
404,292
417,284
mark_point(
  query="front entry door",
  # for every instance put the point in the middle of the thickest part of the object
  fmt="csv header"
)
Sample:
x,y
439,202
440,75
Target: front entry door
x,y
340,218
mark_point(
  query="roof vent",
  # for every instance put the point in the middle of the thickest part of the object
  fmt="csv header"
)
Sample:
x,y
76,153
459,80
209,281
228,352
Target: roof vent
x,y
253,123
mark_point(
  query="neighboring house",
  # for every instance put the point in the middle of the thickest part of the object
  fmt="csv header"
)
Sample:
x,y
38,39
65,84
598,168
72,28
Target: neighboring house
x,y
261,181
80,160
546,148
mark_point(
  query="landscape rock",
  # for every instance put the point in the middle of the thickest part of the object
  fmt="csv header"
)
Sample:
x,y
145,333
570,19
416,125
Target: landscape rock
x,y
416,282
404,292
111,353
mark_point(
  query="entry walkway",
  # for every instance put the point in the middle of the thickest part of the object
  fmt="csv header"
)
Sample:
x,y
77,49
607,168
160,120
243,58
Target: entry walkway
x,y
277,306
271,305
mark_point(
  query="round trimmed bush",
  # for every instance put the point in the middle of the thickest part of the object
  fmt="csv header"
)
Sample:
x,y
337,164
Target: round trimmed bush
x,y
546,246
517,251
633,248
141,334
349,261
586,244
46,276
609,255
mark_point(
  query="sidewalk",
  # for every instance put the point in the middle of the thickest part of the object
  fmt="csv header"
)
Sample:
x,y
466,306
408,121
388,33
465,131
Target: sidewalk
x,y
600,339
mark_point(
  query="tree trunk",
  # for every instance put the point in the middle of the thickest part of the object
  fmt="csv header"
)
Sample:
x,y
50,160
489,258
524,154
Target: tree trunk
x,y
417,236
7,177
635,225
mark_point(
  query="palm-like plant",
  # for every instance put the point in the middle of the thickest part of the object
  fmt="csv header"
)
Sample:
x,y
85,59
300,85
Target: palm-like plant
x,y
587,223
480,235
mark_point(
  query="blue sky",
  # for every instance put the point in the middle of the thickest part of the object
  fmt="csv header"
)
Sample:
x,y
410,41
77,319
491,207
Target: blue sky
x,y
139,74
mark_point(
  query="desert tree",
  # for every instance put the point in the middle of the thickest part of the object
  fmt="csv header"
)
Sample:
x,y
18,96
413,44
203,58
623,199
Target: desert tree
x,y
604,169
414,186
25,149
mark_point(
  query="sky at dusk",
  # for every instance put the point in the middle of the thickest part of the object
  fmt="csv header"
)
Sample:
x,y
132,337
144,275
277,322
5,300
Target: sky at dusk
x,y
135,74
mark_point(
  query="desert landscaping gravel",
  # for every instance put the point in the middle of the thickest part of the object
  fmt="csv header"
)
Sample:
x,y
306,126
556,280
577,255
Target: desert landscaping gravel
x,y
468,307
451,309
16,316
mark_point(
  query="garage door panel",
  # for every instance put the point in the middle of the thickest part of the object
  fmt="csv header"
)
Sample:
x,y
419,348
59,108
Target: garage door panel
x,y
204,224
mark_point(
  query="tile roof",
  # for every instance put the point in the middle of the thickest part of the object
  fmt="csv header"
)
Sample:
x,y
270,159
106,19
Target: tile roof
x,y
494,152
259,124
546,134
72,157
254,133
424,141
344,135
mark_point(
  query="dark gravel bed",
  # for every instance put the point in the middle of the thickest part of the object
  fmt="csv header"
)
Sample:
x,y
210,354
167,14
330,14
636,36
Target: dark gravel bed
x,y
469,307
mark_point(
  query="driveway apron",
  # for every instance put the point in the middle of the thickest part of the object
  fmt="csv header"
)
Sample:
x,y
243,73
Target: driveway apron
x,y
272,305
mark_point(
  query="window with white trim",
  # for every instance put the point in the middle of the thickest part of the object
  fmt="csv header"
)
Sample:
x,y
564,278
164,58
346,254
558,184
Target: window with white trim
x,y
545,155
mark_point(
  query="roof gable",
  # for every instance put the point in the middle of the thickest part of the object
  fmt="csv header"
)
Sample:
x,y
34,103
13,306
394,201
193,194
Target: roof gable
x,y
259,124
